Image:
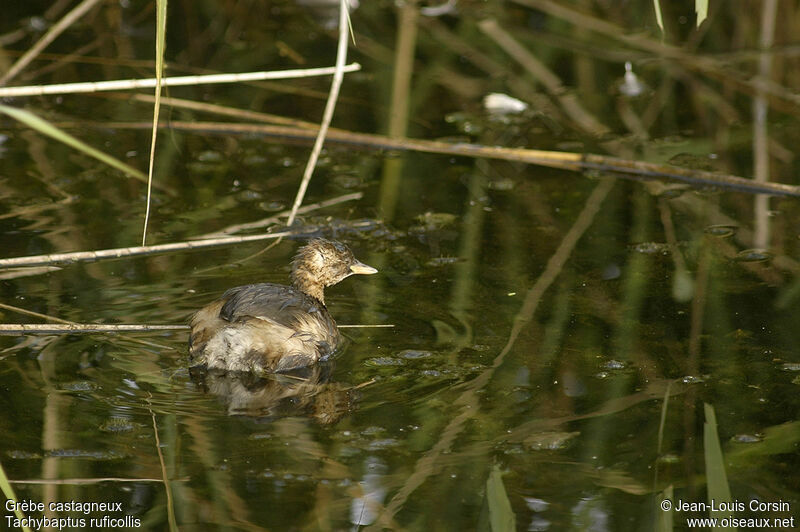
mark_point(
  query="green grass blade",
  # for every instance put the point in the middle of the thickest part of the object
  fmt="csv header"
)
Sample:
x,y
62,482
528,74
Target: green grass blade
x,y
716,479
46,128
501,516
8,491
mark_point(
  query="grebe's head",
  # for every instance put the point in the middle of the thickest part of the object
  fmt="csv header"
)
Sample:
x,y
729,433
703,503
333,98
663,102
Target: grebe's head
x,y
322,263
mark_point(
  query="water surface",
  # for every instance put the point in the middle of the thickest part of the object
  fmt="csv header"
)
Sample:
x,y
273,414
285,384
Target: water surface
x,y
567,349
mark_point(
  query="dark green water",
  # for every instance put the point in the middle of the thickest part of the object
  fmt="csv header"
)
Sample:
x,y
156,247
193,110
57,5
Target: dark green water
x,y
567,350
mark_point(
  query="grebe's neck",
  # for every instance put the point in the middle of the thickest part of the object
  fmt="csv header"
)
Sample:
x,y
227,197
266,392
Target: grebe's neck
x,y
308,283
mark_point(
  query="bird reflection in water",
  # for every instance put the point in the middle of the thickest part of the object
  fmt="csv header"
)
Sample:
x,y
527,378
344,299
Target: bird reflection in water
x,y
303,392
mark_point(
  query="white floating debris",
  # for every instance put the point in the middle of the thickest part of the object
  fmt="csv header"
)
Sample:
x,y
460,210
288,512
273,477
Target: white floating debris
x,y
631,86
503,104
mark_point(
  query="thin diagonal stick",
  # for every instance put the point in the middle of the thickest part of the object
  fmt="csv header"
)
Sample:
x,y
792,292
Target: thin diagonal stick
x,y
36,314
327,116
173,525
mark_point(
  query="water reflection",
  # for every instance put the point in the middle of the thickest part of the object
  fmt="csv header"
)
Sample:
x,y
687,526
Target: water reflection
x,y
301,392
563,330
590,514
365,508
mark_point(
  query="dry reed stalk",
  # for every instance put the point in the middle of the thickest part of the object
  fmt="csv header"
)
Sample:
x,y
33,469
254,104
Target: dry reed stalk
x,y
116,253
85,481
760,134
367,326
330,106
10,329
552,159
63,328
149,83
242,114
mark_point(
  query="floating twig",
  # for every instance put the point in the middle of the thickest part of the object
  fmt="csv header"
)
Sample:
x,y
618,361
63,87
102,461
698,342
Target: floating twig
x,y
364,384
83,481
552,159
75,328
70,328
116,253
367,326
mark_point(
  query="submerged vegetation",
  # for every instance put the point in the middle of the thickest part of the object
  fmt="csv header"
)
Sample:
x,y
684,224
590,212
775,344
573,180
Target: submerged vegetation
x,y
583,214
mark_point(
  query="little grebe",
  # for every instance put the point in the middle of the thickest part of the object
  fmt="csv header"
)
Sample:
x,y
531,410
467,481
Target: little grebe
x,y
271,327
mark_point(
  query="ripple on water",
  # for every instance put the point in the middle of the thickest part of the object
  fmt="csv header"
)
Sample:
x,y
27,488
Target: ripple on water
x,y
549,440
384,362
746,438
17,454
443,261
614,365
651,248
721,230
118,424
78,386
86,453
414,354
753,255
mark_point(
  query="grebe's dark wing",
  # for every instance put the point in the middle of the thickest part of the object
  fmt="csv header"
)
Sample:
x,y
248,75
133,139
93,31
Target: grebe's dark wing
x,y
279,303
